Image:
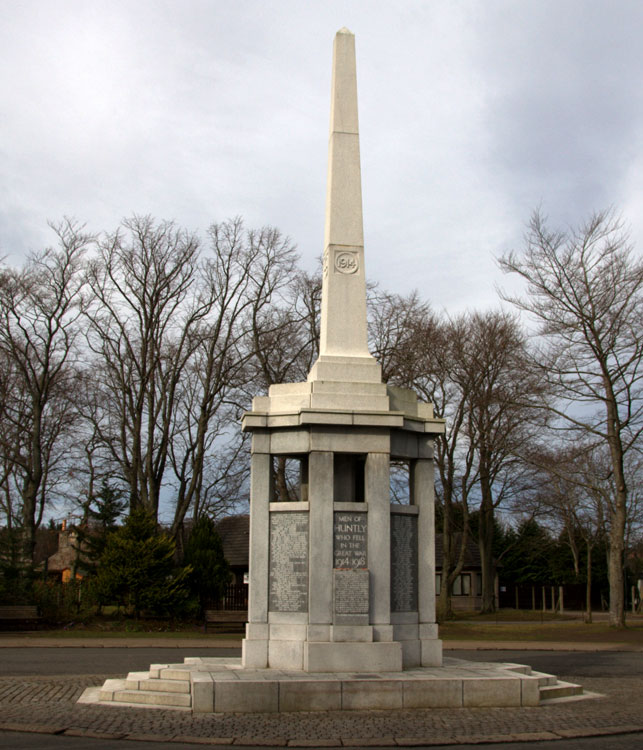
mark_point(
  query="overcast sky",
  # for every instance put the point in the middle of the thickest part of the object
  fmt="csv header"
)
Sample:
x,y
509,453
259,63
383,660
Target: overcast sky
x,y
472,113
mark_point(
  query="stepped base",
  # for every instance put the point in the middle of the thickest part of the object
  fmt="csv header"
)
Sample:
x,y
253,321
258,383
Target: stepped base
x,y
220,685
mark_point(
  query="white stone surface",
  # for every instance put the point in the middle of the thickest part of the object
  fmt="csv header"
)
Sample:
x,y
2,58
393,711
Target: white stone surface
x,y
355,633
436,693
411,653
458,683
320,467
372,694
530,689
353,657
316,695
257,630
379,533
153,698
260,696
287,632
202,685
286,654
431,652
382,632
254,654
428,630
483,692
261,493
170,686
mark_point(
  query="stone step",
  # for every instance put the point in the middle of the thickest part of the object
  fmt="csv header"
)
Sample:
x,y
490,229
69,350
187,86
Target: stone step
x,y
559,690
153,698
109,688
158,685
519,668
155,669
133,678
175,673
544,679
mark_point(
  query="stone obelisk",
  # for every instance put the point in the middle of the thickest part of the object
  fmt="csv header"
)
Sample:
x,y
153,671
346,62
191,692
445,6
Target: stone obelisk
x,y
341,578
343,320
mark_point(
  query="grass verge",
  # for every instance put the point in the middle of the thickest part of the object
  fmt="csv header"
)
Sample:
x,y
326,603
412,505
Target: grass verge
x,y
559,631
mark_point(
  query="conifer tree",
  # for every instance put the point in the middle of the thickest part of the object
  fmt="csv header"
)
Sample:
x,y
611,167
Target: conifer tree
x,y
204,554
137,568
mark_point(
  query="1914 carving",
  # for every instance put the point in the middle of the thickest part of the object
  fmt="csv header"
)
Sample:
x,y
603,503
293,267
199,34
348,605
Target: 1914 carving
x,y
346,262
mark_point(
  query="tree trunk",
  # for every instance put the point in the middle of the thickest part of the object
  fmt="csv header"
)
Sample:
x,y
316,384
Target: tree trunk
x,y
280,480
588,586
444,610
485,542
444,606
615,568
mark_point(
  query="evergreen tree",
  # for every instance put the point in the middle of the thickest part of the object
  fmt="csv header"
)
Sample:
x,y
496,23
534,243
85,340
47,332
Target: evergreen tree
x,y
204,554
527,557
137,568
102,511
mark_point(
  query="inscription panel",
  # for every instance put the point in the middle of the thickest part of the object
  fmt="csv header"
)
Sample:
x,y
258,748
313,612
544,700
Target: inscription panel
x,y
288,569
404,563
349,540
351,592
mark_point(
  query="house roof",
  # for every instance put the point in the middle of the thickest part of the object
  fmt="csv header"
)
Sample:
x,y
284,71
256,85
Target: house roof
x,y
471,555
235,537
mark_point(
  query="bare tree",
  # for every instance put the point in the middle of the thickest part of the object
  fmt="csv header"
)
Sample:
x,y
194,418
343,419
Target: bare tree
x,y
575,492
415,348
585,291
489,357
285,323
140,325
207,444
40,307
174,342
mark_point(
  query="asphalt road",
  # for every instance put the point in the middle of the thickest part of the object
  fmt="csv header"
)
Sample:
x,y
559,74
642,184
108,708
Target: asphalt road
x,y
20,741
566,663
44,662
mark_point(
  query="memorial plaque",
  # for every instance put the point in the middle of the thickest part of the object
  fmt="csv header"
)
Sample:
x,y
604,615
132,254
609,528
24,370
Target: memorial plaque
x,y
288,573
349,544
351,592
404,563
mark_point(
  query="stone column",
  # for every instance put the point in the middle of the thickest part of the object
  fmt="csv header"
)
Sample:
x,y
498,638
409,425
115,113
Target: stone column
x,y
422,471
379,534
320,568
255,644
260,494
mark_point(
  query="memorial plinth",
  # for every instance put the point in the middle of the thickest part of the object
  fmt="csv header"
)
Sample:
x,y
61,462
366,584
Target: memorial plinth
x,y
341,578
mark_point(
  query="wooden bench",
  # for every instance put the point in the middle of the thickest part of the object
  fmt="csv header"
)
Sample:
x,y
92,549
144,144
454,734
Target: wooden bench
x,y
18,615
225,620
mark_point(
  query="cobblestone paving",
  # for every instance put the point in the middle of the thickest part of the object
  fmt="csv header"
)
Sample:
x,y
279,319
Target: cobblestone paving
x,y
51,701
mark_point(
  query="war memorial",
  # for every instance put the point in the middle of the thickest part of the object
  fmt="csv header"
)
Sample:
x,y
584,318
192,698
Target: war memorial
x,y
342,600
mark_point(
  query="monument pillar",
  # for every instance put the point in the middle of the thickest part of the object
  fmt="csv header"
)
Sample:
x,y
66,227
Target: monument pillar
x,y
320,477
379,528
342,578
